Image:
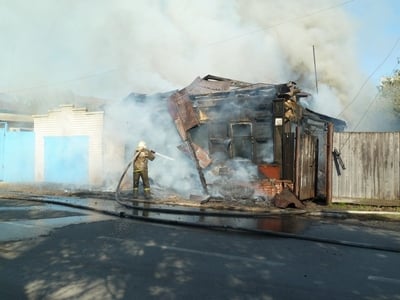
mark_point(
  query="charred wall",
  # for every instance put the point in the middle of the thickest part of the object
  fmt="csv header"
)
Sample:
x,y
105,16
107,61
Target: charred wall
x,y
255,123
236,124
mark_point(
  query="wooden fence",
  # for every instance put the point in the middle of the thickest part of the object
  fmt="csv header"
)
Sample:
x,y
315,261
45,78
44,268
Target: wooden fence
x,y
371,168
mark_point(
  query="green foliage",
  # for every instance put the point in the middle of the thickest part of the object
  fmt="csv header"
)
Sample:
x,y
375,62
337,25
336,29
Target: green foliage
x,y
390,89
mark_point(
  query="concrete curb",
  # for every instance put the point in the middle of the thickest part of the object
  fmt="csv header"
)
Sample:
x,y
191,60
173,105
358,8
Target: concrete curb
x,y
346,213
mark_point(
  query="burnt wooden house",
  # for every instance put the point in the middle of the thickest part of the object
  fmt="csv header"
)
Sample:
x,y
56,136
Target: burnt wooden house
x,y
222,120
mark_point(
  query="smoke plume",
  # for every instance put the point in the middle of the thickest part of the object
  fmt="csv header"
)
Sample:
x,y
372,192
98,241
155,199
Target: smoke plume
x,y
107,49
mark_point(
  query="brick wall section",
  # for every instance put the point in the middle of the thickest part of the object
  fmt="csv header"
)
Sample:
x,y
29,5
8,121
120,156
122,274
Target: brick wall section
x,y
271,187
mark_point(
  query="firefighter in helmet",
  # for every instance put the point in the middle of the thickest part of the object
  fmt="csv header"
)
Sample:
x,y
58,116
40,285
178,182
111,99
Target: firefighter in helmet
x,y
140,169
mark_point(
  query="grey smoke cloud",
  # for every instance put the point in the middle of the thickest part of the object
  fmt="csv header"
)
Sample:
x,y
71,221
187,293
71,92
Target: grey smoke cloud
x,y
151,46
133,120
53,50
108,49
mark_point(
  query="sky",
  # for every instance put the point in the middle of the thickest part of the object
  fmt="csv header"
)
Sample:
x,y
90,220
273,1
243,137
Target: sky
x,y
108,49
377,36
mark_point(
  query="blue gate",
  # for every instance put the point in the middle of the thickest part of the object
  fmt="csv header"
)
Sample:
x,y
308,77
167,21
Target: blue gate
x,y
3,130
19,156
66,159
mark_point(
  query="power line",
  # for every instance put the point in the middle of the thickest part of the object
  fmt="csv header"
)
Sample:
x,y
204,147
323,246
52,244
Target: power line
x,y
376,95
360,120
85,77
369,77
281,23
367,110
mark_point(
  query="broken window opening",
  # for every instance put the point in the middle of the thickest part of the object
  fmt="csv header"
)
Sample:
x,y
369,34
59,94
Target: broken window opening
x,y
241,140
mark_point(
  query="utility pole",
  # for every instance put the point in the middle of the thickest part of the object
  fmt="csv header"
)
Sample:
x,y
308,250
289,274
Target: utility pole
x,y
315,69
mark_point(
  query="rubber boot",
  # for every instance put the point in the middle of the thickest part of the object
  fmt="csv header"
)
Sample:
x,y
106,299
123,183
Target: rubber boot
x,y
147,194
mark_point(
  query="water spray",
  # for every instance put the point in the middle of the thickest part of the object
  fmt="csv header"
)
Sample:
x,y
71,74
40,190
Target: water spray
x,y
163,156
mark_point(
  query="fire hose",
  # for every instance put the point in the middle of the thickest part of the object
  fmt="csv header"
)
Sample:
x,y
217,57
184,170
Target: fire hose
x,y
224,227
234,228
228,228
120,181
126,170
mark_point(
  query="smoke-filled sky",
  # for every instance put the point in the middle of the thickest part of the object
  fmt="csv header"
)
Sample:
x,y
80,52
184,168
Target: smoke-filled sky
x,y
108,49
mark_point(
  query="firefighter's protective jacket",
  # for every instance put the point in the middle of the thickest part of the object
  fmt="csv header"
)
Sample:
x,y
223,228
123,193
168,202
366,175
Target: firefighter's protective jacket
x,y
141,158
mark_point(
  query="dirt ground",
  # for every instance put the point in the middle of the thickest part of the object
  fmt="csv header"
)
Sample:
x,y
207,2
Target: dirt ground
x,y
162,196
159,196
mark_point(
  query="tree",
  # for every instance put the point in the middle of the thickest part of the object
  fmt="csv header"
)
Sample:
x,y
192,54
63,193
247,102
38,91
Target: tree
x,y
390,90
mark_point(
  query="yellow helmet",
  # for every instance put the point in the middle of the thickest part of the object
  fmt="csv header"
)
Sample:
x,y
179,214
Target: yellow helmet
x,y
141,145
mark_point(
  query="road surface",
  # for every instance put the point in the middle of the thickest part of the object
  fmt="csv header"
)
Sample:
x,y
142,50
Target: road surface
x,y
54,252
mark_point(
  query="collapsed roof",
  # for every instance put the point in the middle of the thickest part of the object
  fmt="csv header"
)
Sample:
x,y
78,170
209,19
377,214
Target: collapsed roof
x,y
221,119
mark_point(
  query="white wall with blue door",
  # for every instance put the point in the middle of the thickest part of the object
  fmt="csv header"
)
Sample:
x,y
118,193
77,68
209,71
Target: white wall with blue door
x,y
66,159
69,146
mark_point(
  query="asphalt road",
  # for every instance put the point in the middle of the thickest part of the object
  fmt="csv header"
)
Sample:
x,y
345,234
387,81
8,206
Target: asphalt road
x,y
52,252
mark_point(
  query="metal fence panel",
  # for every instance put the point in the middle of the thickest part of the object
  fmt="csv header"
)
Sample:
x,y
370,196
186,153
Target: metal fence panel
x,y
19,156
3,130
372,168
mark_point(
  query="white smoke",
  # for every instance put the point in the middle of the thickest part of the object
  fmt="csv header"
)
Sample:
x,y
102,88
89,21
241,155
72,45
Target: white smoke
x,y
108,49
146,119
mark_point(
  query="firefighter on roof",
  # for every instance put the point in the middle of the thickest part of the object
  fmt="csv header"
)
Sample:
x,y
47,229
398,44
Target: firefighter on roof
x,y
140,169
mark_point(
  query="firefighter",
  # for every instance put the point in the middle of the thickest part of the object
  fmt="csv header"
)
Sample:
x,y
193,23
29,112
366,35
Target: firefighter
x,y
140,169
